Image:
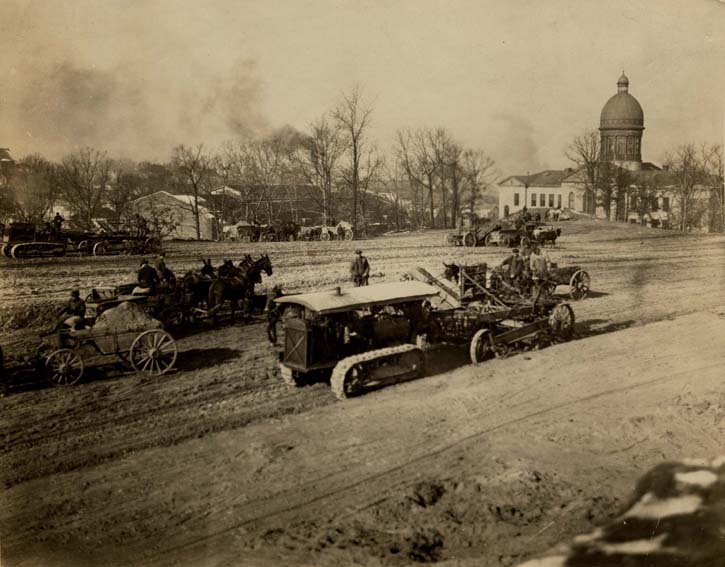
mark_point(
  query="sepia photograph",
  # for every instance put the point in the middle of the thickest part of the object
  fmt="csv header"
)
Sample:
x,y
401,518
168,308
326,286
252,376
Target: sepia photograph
x,y
321,283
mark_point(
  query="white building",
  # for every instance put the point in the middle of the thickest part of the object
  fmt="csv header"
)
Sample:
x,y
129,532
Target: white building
x,y
178,211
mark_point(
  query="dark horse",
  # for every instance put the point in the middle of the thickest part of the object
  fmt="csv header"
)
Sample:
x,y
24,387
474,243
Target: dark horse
x,y
195,284
238,287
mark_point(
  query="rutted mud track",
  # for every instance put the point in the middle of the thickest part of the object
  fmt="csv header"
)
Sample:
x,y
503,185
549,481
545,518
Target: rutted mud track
x,y
209,451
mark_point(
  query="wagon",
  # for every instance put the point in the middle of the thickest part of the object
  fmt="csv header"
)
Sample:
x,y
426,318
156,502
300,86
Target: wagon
x,y
150,351
575,277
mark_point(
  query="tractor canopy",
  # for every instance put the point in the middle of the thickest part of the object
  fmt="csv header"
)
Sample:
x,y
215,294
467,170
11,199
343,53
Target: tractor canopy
x,y
377,295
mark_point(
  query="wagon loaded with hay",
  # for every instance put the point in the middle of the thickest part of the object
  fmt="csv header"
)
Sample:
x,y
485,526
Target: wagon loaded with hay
x,y
125,332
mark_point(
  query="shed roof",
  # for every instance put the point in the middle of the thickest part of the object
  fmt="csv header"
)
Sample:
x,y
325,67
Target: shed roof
x,y
326,302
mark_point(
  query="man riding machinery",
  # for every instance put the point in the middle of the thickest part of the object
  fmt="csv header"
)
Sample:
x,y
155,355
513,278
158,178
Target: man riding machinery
x,y
148,279
57,223
73,313
360,269
167,279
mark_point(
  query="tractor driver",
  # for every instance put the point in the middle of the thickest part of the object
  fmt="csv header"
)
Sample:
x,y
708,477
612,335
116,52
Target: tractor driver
x,y
57,223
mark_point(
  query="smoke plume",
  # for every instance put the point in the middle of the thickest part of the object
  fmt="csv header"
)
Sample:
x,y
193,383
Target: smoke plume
x,y
134,79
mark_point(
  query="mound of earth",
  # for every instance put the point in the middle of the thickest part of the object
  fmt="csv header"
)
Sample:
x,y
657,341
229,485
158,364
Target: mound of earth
x,y
125,317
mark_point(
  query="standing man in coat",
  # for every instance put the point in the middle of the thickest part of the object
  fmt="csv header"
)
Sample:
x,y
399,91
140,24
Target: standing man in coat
x,y
360,269
515,267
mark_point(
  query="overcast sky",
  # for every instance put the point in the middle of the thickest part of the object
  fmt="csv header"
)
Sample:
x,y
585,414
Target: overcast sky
x,y
518,79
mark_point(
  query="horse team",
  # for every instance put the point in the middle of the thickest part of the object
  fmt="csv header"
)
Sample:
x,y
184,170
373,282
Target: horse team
x,y
206,290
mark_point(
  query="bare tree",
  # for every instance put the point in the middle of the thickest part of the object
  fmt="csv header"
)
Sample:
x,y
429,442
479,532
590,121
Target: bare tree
x,y
585,152
194,167
267,164
418,158
643,193
126,187
83,178
688,175
479,174
353,118
371,170
714,167
35,186
316,160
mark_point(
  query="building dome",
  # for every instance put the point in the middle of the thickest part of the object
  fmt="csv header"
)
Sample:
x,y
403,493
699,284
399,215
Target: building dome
x,y
622,111
621,126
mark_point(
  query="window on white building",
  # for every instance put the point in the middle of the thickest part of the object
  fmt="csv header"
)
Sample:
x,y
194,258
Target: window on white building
x,y
516,199
665,204
542,200
558,201
533,199
551,200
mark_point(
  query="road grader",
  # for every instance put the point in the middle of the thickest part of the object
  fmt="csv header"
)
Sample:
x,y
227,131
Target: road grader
x,y
374,336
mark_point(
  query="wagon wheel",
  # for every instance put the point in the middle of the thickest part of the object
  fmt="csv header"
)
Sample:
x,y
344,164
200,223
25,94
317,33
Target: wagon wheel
x,y
561,322
579,285
325,235
291,238
469,239
525,242
64,367
349,235
153,352
489,240
482,346
100,248
84,247
504,241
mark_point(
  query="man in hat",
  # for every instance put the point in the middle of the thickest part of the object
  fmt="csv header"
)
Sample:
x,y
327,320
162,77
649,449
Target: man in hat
x,y
274,312
73,312
148,279
57,223
166,276
360,269
514,265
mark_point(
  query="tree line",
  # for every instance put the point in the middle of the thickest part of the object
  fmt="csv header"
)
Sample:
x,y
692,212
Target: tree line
x,y
691,175
428,176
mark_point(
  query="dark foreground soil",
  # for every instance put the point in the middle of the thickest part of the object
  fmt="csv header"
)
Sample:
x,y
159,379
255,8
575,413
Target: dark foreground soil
x,y
221,464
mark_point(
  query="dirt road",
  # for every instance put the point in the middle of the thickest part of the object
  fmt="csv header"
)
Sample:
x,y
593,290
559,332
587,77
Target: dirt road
x,y
220,463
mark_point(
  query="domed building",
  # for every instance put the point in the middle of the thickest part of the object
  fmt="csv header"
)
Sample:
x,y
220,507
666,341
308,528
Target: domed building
x,y
621,125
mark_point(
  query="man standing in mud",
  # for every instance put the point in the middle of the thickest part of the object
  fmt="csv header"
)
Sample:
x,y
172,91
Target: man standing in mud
x,y
274,311
360,269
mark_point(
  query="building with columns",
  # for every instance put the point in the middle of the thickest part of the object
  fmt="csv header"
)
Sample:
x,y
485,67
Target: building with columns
x,y
621,127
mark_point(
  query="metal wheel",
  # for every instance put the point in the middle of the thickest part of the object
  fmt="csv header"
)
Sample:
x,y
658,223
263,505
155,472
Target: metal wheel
x,y
100,248
579,285
489,240
525,242
354,380
84,247
482,346
349,235
64,367
153,352
7,250
505,241
561,322
291,238
469,240
325,235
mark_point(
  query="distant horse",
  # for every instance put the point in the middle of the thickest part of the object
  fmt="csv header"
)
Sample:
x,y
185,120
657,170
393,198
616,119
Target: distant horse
x,y
239,287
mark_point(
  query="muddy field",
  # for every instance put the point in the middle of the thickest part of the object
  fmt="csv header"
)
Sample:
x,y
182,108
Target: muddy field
x,y
221,463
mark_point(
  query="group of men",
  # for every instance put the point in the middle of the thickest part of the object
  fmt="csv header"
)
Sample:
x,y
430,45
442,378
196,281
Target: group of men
x,y
519,267
72,314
